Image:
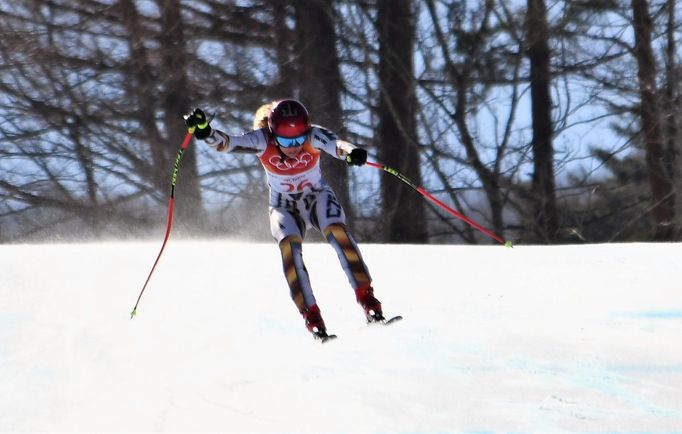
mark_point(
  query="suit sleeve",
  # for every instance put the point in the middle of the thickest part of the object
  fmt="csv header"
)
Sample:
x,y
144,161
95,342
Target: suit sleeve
x,y
253,142
329,142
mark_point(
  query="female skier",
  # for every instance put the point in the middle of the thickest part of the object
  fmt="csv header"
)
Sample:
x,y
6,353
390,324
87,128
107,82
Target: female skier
x,y
288,147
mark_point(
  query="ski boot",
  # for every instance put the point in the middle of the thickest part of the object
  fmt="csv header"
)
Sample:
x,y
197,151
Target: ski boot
x,y
372,307
315,324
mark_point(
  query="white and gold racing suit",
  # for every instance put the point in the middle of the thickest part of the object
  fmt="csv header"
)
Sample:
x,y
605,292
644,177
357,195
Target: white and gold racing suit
x,y
300,199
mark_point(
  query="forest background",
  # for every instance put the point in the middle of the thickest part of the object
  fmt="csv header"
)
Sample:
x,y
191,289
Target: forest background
x,y
545,121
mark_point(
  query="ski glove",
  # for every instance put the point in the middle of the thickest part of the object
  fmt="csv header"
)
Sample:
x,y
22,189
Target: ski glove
x,y
198,124
357,157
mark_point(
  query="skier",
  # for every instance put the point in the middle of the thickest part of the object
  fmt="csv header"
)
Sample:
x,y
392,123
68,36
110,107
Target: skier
x,y
288,147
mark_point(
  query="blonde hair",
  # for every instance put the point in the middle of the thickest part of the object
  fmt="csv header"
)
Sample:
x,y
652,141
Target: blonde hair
x,y
260,118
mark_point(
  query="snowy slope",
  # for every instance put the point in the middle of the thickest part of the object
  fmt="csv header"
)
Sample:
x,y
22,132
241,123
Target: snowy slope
x,y
535,339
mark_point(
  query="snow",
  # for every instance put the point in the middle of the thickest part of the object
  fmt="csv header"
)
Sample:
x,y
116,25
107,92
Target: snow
x,y
533,339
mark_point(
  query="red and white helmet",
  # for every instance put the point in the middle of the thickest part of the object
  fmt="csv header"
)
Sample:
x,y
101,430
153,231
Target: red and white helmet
x,y
288,118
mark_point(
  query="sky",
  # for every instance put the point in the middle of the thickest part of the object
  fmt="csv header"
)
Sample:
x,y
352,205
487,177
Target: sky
x,y
582,338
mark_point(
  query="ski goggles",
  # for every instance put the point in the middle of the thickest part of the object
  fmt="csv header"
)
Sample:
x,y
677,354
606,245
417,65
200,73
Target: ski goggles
x,y
290,142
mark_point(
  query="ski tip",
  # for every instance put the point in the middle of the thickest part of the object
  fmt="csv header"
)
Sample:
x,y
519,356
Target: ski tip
x,y
393,319
133,313
508,244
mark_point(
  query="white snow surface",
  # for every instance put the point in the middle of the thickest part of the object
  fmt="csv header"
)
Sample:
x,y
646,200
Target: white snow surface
x,y
531,339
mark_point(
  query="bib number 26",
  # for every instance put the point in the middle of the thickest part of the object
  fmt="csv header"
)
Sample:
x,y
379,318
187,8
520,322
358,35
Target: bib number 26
x,y
290,187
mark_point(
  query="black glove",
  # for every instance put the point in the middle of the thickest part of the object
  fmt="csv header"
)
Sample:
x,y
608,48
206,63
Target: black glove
x,y
198,124
357,157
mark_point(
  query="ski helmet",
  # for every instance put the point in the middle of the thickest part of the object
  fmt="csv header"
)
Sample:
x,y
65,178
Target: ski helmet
x,y
288,118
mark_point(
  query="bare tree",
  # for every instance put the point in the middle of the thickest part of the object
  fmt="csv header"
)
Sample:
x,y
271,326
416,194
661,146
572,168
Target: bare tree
x,y
92,94
469,70
174,101
399,145
537,35
98,91
662,192
60,134
320,82
671,106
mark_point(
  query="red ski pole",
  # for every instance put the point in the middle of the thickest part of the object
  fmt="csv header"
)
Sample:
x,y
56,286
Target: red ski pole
x,y
446,208
171,202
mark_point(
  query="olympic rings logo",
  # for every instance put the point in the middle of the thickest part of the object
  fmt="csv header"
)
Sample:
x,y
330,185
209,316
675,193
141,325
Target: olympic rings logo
x,y
291,163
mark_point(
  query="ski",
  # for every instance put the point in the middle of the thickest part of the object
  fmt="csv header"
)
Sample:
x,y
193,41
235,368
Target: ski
x,y
383,321
327,338
392,320
323,336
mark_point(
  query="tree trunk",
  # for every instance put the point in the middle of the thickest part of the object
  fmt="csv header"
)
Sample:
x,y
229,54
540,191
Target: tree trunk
x,y
321,84
141,90
190,212
672,102
398,145
286,66
662,193
543,187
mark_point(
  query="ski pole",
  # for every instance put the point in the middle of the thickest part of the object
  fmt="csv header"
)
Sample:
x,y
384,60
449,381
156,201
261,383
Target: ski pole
x,y
430,197
171,203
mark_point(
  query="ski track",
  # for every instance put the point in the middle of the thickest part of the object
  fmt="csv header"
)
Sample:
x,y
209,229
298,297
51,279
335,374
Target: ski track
x,y
533,339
